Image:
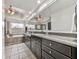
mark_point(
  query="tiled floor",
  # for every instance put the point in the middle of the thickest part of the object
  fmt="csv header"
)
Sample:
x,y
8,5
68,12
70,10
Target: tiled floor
x,y
18,51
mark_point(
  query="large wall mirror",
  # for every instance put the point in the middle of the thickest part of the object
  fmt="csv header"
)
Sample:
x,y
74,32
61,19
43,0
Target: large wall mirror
x,y
16,28
62,14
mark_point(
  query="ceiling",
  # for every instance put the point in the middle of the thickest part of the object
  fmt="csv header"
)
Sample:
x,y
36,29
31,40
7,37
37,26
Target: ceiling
x,y
26,5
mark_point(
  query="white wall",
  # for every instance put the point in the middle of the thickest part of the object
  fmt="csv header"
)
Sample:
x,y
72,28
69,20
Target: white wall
x,y
63,19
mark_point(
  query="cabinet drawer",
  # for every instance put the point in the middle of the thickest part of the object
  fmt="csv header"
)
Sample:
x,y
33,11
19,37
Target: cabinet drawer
x,y
66,50
46,56
54,53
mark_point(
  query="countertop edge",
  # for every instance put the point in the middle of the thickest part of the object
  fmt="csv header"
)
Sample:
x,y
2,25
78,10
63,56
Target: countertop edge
x,y
73,44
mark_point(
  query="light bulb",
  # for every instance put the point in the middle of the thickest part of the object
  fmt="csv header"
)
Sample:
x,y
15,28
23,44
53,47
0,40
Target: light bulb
x,y
9,11
12,13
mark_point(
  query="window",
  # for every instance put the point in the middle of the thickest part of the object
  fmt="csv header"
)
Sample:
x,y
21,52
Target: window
x,y
17,28
17,25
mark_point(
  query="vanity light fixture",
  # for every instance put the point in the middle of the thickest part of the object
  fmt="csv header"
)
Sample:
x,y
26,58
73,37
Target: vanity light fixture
x,y
11,10
39,18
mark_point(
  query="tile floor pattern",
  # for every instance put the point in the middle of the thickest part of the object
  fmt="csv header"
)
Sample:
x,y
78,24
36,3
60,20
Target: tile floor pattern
x,y
18,51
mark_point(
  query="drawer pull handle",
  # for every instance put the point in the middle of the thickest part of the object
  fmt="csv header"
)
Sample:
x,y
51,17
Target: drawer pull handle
x,y
50,44
50,52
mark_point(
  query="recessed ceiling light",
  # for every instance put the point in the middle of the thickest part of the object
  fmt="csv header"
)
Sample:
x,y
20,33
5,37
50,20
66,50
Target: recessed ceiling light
x,y
38,1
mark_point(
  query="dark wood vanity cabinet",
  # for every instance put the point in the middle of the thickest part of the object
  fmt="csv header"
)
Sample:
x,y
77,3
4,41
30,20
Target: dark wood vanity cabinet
x,y
58,50
66,50
46,55
36,46
47,49
54,53
28,41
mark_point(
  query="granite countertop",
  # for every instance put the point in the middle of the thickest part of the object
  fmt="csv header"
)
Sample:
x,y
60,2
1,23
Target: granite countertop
x,y
51,31
61,39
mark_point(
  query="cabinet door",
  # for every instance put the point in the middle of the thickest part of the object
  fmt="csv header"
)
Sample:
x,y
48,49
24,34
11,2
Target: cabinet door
x,y
36,47
74,53
33,45
27,42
